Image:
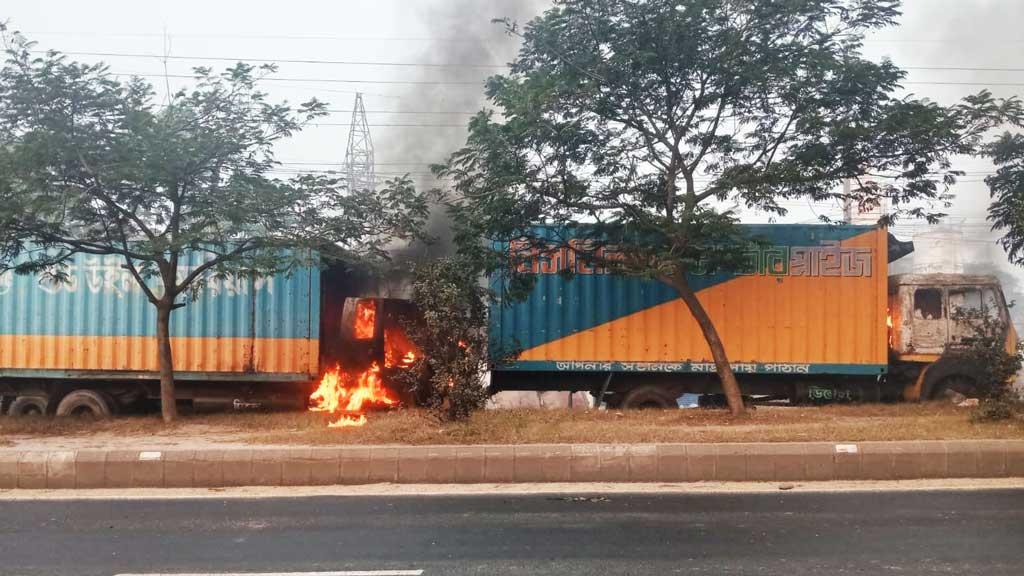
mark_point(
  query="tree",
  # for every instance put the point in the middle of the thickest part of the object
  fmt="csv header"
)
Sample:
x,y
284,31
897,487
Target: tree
x,y
91,164
1007,188
648,119
452,334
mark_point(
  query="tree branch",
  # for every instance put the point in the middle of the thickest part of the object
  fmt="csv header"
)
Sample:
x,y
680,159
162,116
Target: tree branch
x,y
242,248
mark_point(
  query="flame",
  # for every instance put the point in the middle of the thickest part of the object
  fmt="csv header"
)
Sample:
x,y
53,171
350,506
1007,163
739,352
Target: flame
x,y
350,394
347,394
366,319
888,323
399,351
348,421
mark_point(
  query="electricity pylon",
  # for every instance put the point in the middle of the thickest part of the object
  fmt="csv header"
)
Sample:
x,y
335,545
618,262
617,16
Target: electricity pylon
x,y
359,154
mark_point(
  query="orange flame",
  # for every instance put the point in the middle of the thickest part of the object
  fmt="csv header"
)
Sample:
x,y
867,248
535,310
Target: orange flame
x,y
366,319
350,394
399,351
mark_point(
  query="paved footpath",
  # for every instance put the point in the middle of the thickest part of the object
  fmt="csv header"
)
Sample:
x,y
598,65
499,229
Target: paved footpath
x,y
785,533
304,466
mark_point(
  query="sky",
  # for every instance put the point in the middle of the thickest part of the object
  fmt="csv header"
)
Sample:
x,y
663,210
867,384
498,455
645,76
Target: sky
x,y
451,32
421,65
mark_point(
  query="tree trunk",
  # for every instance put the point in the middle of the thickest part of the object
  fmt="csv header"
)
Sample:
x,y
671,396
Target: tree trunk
x,y
168,405
725,374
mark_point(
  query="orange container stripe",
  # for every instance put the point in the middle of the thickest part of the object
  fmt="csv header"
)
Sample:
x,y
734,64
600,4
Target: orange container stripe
x,y
138,353
765,319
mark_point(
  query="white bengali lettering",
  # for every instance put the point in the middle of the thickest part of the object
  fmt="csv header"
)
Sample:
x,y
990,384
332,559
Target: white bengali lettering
x,y
109,275
698,367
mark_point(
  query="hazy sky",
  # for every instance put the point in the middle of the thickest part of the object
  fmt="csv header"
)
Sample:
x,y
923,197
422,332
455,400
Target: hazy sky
x,y
934,33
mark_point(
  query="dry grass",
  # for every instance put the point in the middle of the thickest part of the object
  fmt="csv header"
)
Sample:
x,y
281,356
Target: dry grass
x,y
413,427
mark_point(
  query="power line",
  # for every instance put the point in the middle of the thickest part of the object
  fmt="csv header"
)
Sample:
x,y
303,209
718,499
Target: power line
x,y
342,173
420,64
281,60
348,124
323,80
962,69
438,112
970,41
966,83
298,163
448,39
299,37
480,83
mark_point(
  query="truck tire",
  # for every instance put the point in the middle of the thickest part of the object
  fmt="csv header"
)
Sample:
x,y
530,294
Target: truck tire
x,y
29,406
112,401
951,372
85,403
959,383
649,397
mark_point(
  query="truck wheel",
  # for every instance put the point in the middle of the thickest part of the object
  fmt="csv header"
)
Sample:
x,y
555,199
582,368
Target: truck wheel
x,y
29,406
959,383
85,403
648,397
115,406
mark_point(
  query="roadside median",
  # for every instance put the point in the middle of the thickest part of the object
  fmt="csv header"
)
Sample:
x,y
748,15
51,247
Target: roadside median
x,y
534,463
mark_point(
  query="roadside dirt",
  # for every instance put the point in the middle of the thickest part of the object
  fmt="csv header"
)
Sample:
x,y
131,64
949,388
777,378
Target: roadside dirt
x,y
524,426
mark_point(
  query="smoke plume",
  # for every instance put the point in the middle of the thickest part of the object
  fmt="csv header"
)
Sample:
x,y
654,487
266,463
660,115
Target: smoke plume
x,y
468,39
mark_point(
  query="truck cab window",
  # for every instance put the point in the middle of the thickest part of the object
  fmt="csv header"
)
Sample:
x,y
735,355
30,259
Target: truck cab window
x,y
966,299
993,304
928,304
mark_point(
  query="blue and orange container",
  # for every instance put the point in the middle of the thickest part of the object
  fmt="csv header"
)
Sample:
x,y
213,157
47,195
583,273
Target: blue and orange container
x,y
100,325
812,301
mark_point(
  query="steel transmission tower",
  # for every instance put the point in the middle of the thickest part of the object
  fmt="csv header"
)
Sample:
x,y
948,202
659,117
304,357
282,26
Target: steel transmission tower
x,y
359,154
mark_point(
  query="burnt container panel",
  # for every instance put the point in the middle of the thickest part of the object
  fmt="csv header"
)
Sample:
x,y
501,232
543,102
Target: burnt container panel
x,y
99,324
811,300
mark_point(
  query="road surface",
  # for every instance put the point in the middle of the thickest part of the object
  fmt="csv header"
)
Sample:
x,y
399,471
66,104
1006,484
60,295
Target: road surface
x,y
788,533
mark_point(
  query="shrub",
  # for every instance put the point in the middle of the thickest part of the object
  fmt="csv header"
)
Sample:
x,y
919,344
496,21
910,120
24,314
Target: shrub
x,y
452,334
996,368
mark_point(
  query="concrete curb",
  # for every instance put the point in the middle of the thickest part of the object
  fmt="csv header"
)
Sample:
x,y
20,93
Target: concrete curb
x,y
353,465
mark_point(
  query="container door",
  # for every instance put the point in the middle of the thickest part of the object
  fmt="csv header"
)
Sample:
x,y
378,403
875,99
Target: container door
x,y
283,307
929,321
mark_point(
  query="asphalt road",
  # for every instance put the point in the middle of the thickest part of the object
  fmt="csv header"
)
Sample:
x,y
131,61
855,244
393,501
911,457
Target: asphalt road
x,y
958,532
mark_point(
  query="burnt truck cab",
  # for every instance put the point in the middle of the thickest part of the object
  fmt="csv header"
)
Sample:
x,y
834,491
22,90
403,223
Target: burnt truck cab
x,y
923,334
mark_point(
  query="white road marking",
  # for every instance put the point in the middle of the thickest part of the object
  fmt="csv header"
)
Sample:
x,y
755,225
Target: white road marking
x,y
147,456
846,448
347,573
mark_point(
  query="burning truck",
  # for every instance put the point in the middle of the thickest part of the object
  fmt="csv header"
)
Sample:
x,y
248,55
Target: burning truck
x,y
814,317
306,338
357,380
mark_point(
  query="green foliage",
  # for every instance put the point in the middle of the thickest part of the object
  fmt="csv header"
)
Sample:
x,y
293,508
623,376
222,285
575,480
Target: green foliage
x,y
452,334
1007,187
652,120
92,164
995,368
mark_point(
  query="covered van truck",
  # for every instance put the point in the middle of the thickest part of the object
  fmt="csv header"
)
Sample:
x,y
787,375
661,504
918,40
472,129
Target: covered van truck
x,y
242,337
806,318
